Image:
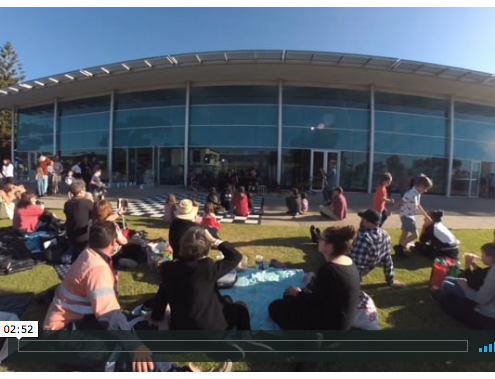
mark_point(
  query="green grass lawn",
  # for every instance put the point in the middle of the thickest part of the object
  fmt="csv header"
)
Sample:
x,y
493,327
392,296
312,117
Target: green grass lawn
x,y
403,309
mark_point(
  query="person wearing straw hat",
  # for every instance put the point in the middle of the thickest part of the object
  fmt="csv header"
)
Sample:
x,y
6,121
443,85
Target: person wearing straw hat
x,y
186,213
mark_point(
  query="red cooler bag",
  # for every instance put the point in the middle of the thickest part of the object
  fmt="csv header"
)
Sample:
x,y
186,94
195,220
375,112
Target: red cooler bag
x,y
439,271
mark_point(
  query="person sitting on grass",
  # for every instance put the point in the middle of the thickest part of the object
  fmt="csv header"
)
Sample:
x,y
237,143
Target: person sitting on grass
x,y
170,208
187,211
213,199
240,202
409,206
304,203
474,307
30,218
188,285
372,248
337,210
210,219
329,304
293,202
102,211
436,240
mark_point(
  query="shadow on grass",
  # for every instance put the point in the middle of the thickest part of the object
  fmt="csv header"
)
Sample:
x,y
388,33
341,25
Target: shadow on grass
x,y
414,310
414,261
138,223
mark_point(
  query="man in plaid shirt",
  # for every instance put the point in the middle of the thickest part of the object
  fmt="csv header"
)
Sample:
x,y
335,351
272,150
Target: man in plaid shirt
x,y
372,248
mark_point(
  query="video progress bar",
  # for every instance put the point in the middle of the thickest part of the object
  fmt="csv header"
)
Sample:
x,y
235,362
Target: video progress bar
x,y
454,346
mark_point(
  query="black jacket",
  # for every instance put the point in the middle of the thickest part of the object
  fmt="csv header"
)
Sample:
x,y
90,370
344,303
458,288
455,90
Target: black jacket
x,y
190,289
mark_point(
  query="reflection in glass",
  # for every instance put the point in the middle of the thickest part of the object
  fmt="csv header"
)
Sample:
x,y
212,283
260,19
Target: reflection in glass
x,y
404,168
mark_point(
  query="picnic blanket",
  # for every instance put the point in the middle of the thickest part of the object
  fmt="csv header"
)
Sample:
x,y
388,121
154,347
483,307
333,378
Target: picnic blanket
x,y
258,288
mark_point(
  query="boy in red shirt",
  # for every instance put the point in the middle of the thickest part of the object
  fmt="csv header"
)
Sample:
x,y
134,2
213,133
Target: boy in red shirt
x,y
209,219
381,196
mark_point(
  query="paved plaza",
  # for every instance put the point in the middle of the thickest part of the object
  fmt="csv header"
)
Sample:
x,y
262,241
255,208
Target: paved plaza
x,y
460,212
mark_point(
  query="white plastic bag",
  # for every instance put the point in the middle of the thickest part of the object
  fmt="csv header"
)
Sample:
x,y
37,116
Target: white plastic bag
x,y
366,315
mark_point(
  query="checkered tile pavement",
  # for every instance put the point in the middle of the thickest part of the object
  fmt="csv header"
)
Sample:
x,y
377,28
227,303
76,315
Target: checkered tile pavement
x,y
154,206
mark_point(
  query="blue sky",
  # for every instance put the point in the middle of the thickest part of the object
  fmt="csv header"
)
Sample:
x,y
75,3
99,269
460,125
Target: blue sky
x,y
55,40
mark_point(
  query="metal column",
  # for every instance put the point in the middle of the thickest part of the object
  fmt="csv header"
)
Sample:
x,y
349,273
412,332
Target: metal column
x,y
110,139
279,146
55,123
372,139
186,134
451,145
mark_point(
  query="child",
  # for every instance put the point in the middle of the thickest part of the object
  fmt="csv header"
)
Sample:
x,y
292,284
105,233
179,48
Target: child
x,y
381,197
226,198
170,208
304,203
197,218
209,219
39,180
409,206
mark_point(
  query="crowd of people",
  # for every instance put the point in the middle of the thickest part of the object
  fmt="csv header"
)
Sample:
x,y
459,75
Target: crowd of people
x,y
188,297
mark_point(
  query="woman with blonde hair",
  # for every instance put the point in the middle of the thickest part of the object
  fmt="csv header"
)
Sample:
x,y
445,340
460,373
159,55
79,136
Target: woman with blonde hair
x,y
328,303
103,211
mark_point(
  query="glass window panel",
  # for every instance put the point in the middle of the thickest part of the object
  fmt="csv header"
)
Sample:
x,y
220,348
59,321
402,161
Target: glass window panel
x,y
234,115
35,129
83,106
161,136
35,143
354,169
474,112
411,104
406,123
474,150
243,160
234,95
150,99
330,97
474,131
461,175
83,123
325,139
150,117
407,144
233,136
405,167
296,165
83,140
329,117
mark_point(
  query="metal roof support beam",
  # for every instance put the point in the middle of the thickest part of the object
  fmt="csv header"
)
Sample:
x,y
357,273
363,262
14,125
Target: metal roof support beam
x,y
395,64
488,79
451,145
372,139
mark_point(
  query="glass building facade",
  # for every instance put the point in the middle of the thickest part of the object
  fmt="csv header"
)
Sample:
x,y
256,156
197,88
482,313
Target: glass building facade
x,y
287,133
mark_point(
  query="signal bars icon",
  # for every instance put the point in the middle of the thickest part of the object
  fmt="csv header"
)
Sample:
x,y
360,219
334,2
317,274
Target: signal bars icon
x,y
487,349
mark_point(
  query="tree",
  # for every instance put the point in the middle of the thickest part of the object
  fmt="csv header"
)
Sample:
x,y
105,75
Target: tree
x,y
11,72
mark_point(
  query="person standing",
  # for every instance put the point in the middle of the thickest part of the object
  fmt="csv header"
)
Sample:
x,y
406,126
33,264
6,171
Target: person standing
x,y
330,181
409,206
381,196
44,162
58,169
8,171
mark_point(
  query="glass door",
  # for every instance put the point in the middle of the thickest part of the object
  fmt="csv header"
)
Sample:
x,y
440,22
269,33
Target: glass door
x,y
323,161
474,183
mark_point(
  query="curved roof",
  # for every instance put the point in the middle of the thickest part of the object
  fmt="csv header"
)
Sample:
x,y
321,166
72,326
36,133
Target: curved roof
x,y
143,73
